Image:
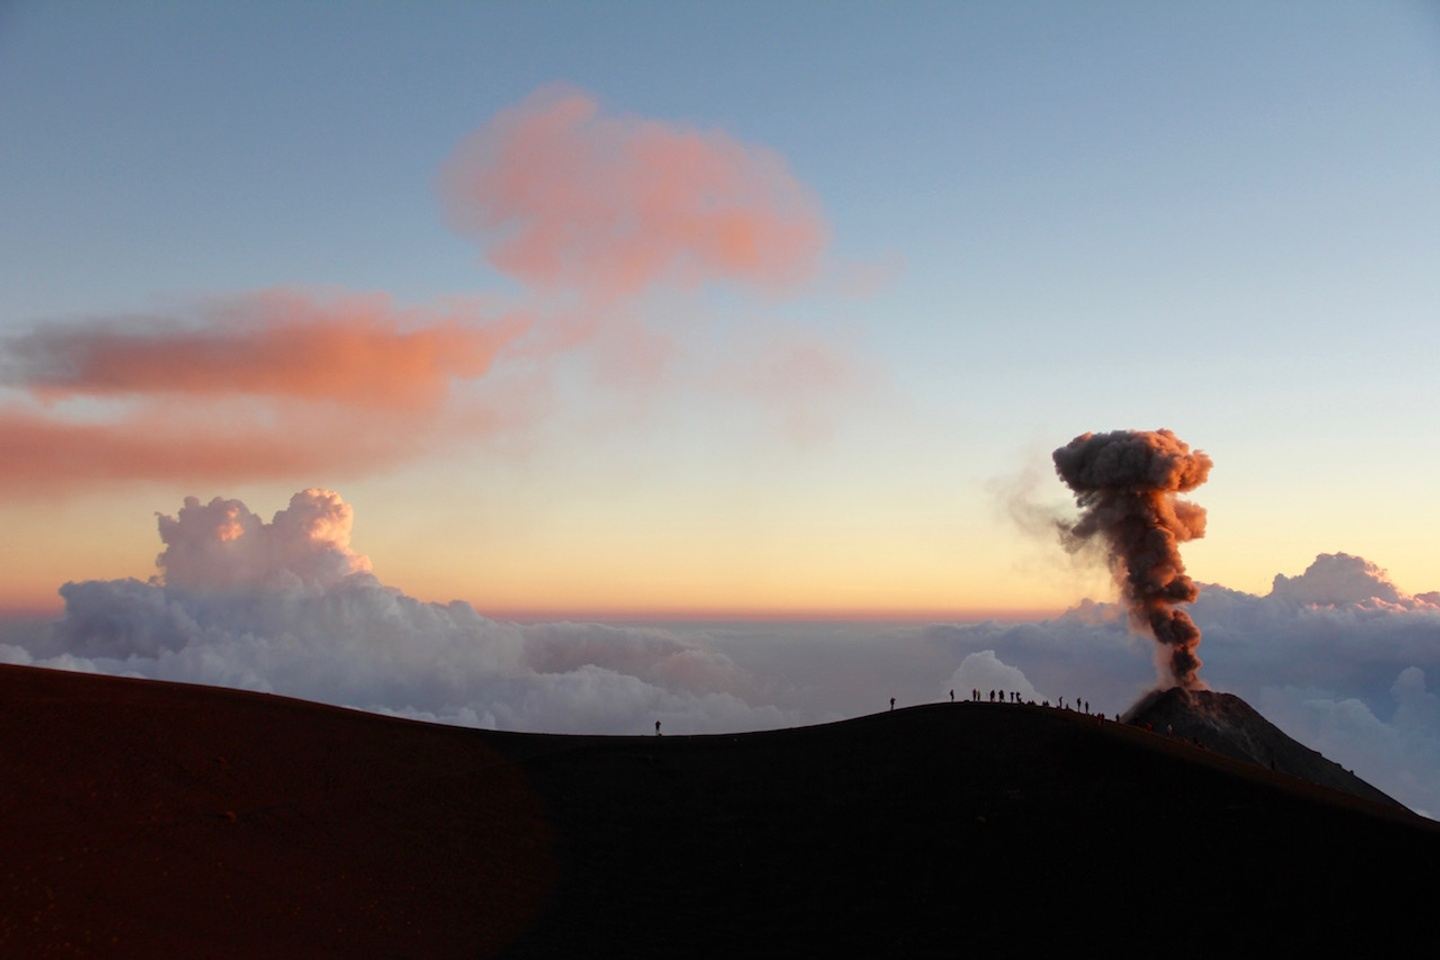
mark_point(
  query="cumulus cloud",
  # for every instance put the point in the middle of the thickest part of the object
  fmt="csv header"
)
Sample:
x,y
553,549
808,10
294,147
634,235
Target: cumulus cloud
x,y
288,606
221,545
1347,730
564,196
984,671
1339,579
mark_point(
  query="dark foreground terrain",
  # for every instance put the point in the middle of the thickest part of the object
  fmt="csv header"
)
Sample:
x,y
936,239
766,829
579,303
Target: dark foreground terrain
x,y
141,819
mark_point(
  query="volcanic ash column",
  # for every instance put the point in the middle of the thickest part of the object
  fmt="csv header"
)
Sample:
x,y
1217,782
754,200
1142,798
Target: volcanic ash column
x,y
1125,482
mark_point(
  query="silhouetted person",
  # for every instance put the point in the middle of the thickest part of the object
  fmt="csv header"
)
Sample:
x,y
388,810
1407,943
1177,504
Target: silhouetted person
x,y
992,696
892,703
657,728
952,696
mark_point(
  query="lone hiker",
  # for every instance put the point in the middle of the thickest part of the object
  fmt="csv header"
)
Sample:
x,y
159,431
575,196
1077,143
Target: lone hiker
x,y
657,728
892,703
952,696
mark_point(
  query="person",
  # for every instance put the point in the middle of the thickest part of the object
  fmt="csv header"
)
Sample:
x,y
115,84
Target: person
x,y
892,703
952,695
657,728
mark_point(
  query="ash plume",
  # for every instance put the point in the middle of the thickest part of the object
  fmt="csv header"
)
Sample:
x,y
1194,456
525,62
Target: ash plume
x,y
1125,482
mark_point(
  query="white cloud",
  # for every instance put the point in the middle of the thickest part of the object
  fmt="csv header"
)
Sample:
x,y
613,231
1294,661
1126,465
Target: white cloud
x,y
984,671
1339,579
288,607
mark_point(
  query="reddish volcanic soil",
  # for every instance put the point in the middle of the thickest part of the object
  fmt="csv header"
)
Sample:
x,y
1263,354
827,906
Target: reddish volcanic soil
x,y
142,819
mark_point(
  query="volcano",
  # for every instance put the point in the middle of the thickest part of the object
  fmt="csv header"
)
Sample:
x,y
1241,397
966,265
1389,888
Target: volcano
x,y
149,819
1226,724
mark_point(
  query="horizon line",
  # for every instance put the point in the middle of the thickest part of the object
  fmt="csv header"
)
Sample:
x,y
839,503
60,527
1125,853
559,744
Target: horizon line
x,y
531,614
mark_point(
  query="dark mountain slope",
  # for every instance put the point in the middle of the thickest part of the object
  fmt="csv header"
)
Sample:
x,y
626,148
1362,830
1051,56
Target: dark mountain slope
x,y
1225,723
144,819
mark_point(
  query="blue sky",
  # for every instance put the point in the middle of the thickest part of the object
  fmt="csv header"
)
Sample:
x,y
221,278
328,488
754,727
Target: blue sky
x,y
1218,217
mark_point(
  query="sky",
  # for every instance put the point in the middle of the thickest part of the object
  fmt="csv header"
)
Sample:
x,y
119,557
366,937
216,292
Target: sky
x,y
567,366
1031,221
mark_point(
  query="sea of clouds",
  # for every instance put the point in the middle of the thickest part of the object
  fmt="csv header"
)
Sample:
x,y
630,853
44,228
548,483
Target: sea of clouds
x,y
1337,656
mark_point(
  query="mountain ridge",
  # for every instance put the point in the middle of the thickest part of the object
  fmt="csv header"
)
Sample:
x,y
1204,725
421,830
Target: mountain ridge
x,y
146,818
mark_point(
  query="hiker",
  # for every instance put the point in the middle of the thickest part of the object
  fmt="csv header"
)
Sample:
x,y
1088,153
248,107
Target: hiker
x,y
952,696
657,728
892,703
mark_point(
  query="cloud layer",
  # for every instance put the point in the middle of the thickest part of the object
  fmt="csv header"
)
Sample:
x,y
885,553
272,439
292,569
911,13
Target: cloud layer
x,y
1338,657
288,606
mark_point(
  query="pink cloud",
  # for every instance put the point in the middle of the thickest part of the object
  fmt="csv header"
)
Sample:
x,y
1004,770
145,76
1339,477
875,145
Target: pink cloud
x,y
48,453
266,386
357,350
589,211
562,197
803,379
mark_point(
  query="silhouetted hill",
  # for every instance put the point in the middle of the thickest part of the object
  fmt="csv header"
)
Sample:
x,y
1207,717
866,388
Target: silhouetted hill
x,y
1225,723
144,819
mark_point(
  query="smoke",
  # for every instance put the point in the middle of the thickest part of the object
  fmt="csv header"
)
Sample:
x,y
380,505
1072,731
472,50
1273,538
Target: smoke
x,y
1125,482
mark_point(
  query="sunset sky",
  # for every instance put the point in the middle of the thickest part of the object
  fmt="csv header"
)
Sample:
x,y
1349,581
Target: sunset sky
x,y
724,310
